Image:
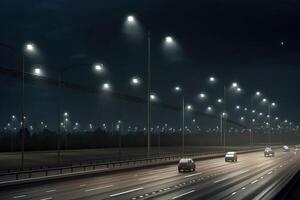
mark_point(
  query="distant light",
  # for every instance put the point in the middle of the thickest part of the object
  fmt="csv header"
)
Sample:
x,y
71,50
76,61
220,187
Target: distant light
x,y
37,71
177,88
264,100
257,93
169,39
245,109
237,107
66,114
135,80
282,43
234,84
242,118
153,97
273,104
106,86
29,47
99,67
253,111
219,100
13,116
253,120
209,108
224,114
212,79
189,107
239,89
130,19
286,121
276,118
268,116
202,95
260,114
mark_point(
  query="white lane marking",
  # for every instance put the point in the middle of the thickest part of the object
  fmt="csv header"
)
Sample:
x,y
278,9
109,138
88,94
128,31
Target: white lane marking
x,y
262,177
270,172
192,175
51,191
243,188
254,181
150,177
183,194
48,198
82,185
20,196
280,166
98,188
125,192
223,179
233,193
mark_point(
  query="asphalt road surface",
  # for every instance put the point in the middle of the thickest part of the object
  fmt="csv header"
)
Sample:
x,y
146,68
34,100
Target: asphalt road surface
x,y
252,177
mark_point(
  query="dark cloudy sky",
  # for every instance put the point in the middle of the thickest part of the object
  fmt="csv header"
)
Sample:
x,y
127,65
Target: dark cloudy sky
x,y
233,40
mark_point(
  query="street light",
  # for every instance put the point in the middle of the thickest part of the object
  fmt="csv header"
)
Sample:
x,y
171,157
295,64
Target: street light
x,y
202,95
37,71
258,94
130,19
106,87
29,47
169,40
178,89
212,79
189,107
234,85
135,81
219,100
99,67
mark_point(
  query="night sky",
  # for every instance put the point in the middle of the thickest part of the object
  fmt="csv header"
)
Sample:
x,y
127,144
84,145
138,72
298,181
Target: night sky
x,y
232,40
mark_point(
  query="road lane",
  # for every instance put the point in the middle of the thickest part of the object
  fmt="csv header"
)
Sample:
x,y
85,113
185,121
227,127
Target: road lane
x,y
162,182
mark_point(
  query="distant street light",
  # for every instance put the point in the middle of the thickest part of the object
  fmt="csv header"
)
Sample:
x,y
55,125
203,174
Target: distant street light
x,y
258,94
106,86
99,67
169,39
130,19
219,100
234,85
37,71
135,81
212,79
29,47
189,107
202,95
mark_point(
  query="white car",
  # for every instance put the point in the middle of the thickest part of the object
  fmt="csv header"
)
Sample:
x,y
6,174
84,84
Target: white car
x,y
231,156
286,148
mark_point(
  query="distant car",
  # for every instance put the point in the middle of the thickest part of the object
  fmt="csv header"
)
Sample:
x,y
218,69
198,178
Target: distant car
x,y
231,156
186,164
286,148
269,152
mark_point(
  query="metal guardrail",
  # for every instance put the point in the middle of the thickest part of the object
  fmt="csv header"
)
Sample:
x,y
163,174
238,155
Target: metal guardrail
x,y
27,174
93,166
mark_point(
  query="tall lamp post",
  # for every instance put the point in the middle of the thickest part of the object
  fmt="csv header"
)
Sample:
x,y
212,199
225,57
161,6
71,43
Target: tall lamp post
x,y
179,89
28,48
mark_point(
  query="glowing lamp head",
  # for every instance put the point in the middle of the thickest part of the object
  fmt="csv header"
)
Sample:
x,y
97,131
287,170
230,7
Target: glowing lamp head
x,y
130,19
169,39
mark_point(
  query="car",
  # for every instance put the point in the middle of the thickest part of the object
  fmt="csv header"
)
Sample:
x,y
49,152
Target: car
x,y
269,152
286,148
186,164
231,156
297,151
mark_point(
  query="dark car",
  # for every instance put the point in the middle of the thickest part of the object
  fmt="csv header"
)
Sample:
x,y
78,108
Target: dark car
x,y
269,152
186,164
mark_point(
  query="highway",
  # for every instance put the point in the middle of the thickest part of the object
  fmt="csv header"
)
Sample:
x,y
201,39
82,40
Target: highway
x,y
252,177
